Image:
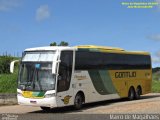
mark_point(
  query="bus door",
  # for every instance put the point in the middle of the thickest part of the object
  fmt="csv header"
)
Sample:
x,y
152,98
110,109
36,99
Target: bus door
x,y
64,88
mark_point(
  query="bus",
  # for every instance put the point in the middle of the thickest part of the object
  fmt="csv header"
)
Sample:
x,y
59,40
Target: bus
x,y
57,76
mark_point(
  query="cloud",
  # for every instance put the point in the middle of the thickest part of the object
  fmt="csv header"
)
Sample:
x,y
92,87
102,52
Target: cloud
x,y
6,5
156,58
158,54
155,37
42,13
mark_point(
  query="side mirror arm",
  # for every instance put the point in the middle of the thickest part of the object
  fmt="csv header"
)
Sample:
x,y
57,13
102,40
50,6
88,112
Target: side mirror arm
x,y
54,66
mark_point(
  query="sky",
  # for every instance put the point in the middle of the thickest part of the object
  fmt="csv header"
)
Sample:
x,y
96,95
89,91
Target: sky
x,y
34,23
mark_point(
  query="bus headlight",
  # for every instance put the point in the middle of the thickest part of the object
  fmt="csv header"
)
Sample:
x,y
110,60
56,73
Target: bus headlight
x,y
49,95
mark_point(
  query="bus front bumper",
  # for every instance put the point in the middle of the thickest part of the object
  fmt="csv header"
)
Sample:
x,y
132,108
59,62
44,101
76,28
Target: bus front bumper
x,y
45,102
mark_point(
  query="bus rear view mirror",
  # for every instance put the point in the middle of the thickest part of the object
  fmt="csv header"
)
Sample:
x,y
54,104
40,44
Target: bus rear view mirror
x,y
12,65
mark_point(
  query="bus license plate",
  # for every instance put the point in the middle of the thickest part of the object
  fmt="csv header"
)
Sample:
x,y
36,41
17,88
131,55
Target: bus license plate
x,y
34,102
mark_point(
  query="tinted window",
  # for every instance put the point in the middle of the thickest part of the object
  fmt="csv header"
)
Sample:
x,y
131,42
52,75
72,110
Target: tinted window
x,y
97,60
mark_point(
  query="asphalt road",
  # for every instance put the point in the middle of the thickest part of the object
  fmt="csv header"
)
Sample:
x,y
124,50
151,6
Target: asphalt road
x,y
148,104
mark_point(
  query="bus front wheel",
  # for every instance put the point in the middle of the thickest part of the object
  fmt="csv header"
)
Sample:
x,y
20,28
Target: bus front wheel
x,y
78,101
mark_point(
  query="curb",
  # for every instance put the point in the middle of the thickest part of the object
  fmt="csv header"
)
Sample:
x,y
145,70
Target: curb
x,y
8,98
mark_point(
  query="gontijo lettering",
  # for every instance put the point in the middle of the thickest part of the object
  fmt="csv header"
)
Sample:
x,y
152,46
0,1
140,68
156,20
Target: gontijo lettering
x,y
125,74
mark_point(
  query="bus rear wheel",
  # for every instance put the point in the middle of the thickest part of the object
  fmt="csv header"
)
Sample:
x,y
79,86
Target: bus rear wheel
x,y
138,93
46,108
78,102
131,94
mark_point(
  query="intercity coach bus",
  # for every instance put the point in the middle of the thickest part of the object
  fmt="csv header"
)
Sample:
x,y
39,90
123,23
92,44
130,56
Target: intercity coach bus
x,y
58,76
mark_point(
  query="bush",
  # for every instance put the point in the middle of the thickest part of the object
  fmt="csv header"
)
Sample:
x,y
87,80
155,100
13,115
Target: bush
x,y
8,82
5,64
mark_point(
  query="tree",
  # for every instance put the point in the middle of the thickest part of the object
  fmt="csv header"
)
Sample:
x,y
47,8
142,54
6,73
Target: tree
x,y
62,43
53,44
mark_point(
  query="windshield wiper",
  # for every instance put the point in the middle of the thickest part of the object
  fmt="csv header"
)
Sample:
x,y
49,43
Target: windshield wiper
x,y
40,86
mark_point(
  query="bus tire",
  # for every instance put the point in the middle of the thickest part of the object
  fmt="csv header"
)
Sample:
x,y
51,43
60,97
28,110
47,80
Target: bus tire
x,y
78,101
138,93
131,93
47,109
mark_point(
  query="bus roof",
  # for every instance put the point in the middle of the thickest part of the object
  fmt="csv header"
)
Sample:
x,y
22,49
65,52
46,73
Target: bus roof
x,y
49,48
99,47
109,49
87,47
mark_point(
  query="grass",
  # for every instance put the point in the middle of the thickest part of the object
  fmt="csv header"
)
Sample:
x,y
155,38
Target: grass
x,y
156,82
155,86
8,82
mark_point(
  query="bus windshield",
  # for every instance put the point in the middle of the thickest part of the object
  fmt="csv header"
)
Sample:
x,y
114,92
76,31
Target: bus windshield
x,y
36,77
35,72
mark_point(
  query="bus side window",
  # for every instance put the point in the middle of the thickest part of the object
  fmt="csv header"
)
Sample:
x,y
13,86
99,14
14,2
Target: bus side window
x,y
65,71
